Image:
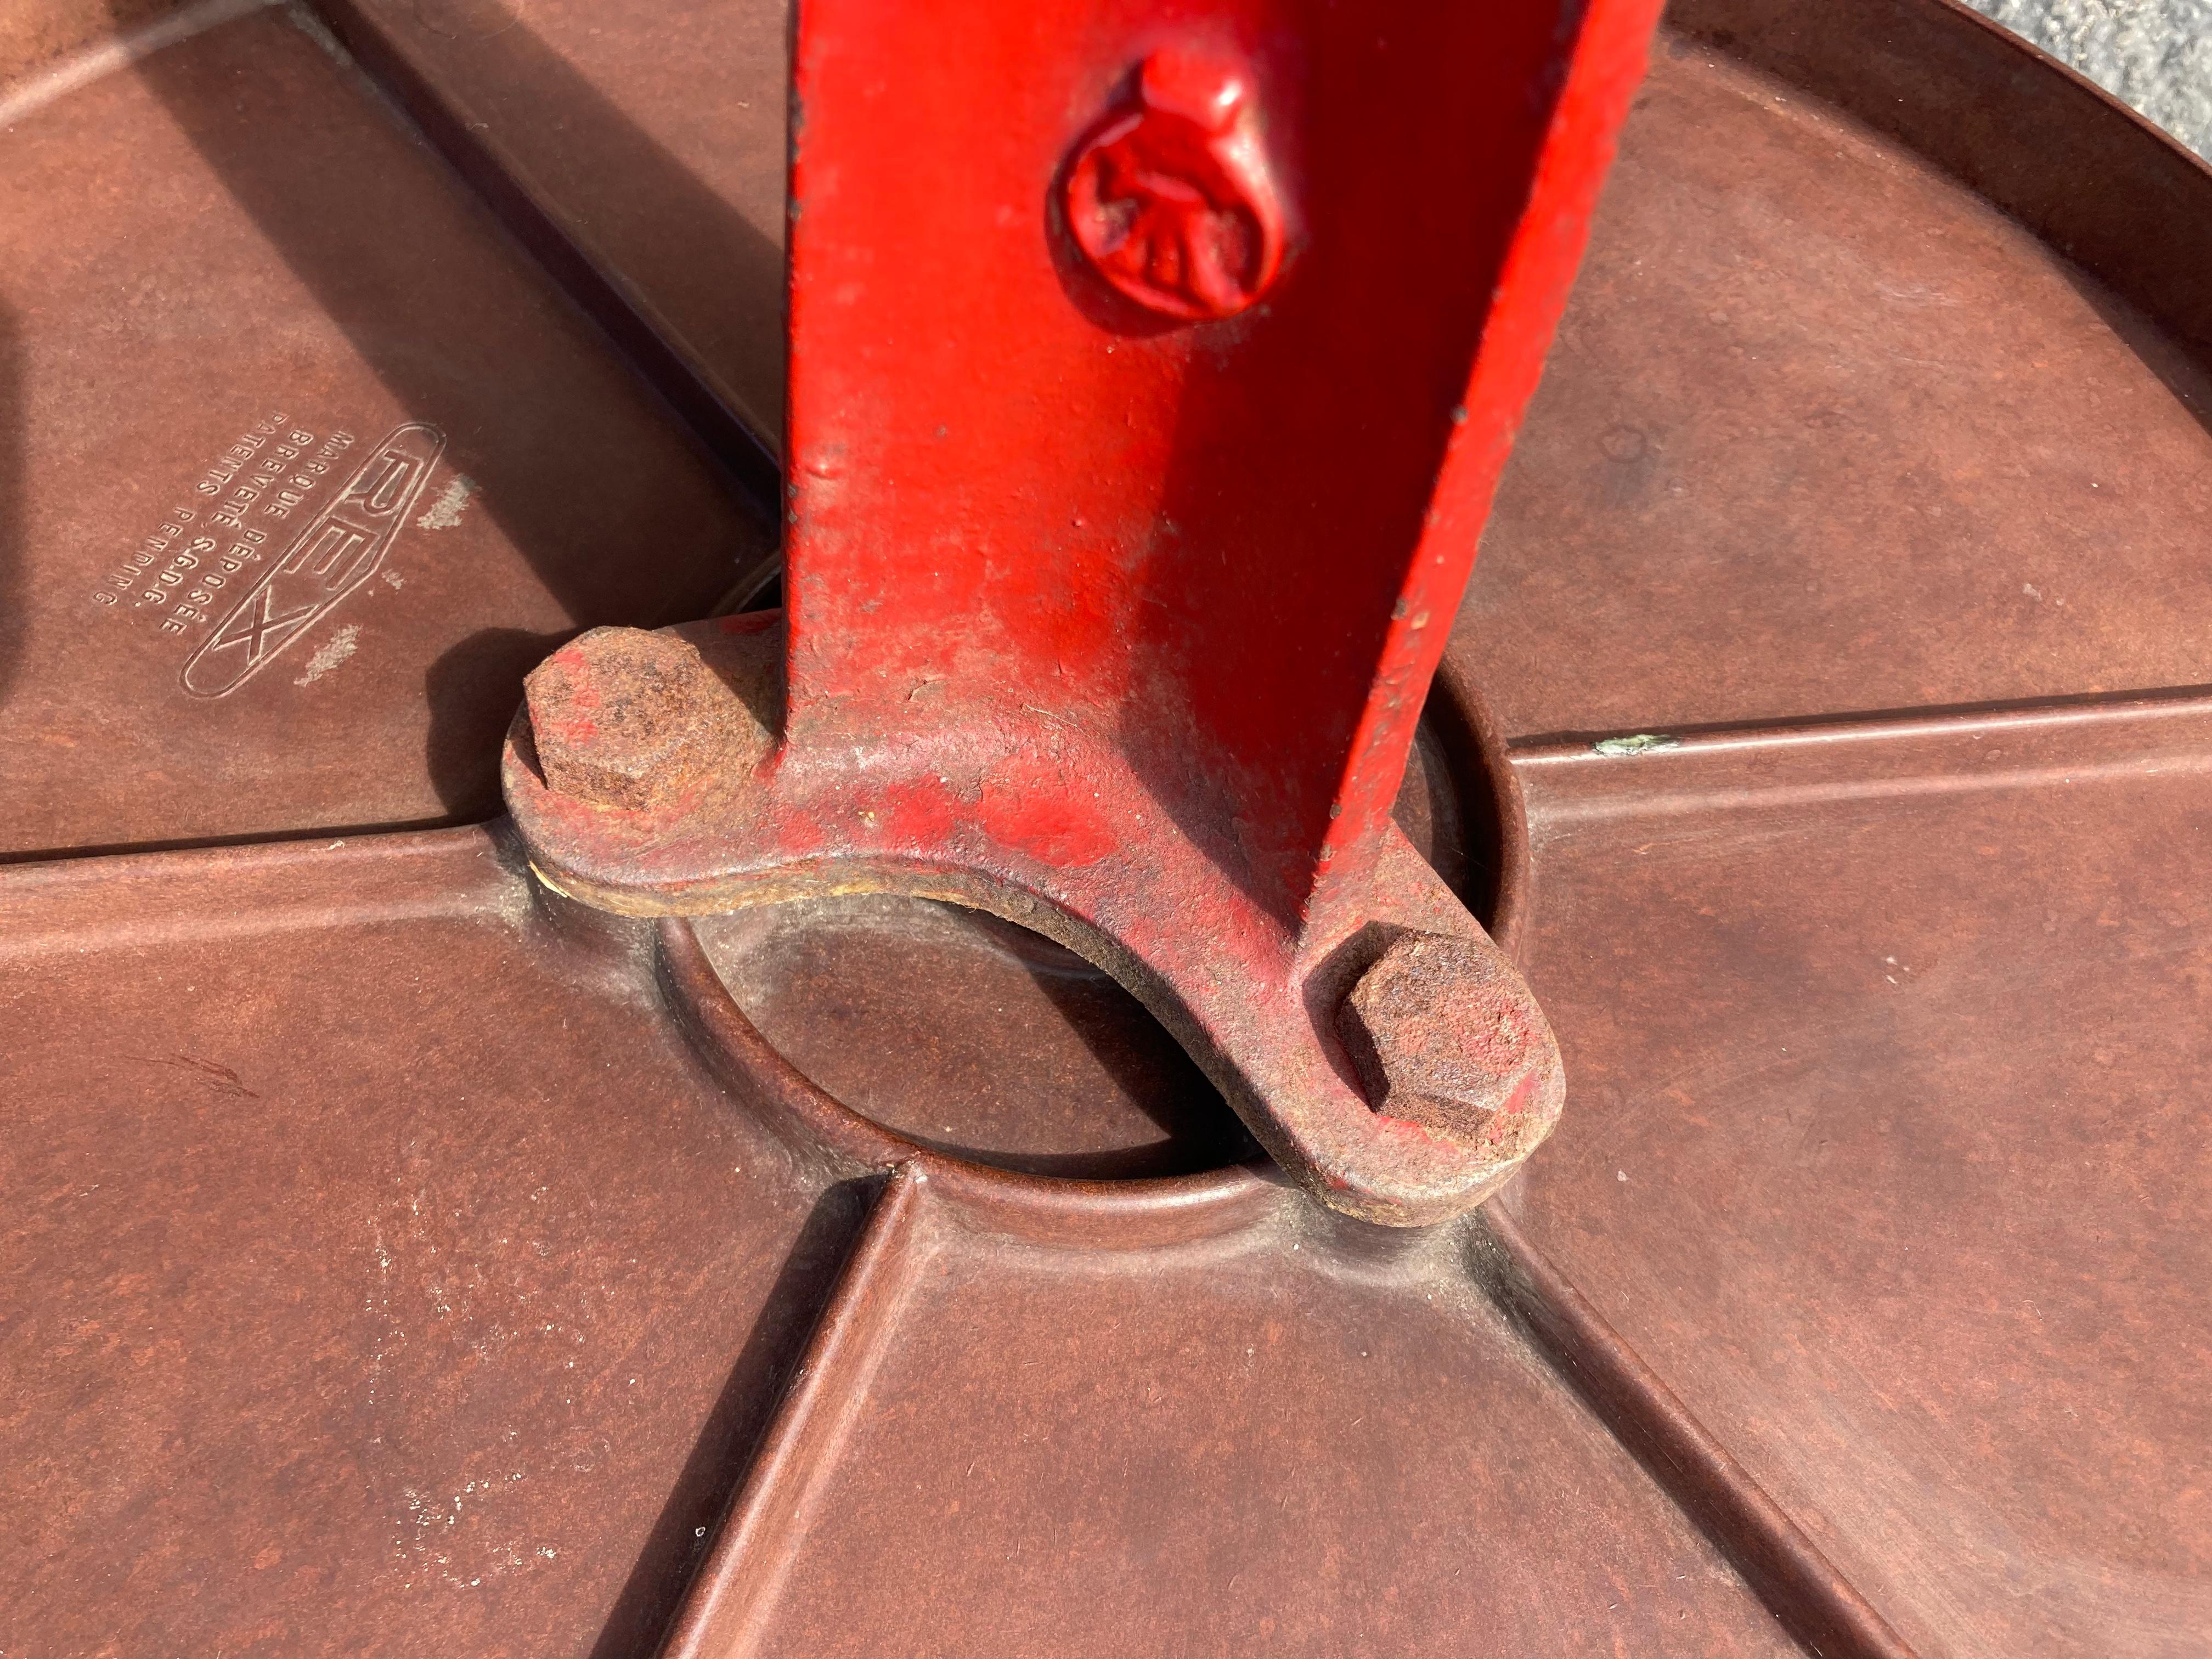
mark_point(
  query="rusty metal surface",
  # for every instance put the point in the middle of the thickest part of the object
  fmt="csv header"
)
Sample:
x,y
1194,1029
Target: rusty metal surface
x,y
37,34
211,304
1067,839
1856,1303
993,1044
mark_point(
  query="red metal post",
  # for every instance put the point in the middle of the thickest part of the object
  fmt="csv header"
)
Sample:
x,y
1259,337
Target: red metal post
x,y
1153,367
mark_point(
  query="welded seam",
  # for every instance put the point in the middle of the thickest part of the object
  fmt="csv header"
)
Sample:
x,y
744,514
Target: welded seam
x,y
1877,758
1784,1568
2089,715
89,64
724,1616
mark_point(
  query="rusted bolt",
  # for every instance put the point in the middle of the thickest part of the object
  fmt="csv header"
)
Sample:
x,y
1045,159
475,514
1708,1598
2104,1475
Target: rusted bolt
x,y
625,718
1173,202
1445,1033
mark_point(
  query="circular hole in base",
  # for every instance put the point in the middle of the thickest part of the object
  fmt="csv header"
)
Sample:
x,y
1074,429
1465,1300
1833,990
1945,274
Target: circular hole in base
x,y
973,1037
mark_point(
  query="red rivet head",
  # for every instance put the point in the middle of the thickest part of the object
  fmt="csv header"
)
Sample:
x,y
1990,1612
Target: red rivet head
x,y
1173,203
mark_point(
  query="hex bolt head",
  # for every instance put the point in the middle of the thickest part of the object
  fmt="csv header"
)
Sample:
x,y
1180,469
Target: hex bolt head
x,y
1445,1033
621,717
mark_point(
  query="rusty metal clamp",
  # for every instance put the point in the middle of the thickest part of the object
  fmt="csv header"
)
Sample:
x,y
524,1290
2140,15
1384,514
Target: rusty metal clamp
x,y
1143,413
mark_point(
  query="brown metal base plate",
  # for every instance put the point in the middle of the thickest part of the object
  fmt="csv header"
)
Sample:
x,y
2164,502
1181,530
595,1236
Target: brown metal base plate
x,y
400,1259
227,279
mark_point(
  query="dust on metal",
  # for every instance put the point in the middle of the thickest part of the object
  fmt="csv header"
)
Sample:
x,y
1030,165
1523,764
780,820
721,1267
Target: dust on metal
x,y
1445,1033
623,718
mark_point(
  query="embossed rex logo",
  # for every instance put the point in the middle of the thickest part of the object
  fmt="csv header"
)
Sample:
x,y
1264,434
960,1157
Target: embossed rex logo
x,y
340,548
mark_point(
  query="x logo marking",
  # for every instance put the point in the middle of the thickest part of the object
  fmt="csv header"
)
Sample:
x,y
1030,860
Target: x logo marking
x,y
258,623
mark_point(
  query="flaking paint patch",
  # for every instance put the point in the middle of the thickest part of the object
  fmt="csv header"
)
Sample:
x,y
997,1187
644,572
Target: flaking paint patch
x,y
330,653
1642,742
446,512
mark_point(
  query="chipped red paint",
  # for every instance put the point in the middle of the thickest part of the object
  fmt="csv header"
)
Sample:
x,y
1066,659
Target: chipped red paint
x,y
1119,622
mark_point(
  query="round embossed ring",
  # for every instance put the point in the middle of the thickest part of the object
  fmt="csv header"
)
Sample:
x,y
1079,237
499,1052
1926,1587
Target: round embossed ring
x,y
1173,203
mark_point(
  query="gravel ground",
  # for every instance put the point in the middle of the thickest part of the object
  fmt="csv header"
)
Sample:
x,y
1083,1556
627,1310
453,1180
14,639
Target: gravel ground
x,y
2155,54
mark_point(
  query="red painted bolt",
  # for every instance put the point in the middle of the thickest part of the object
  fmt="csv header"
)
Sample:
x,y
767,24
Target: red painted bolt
x,y
624,717
1445,1033
1174,203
